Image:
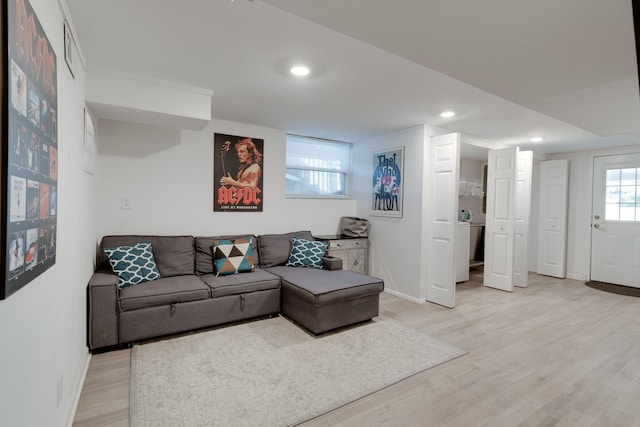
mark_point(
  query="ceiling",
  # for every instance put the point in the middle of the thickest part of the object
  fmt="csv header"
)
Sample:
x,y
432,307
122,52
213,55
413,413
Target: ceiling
x,y
565,70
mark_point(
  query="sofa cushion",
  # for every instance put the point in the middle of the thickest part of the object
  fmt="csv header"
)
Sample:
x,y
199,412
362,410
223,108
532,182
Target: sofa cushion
x,y
174,255
306,253
133,264
236,284
322,287
233,256
170,290
204,255
275,248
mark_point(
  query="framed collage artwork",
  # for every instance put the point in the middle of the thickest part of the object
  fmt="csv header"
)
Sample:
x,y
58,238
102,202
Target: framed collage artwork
x,y
30,158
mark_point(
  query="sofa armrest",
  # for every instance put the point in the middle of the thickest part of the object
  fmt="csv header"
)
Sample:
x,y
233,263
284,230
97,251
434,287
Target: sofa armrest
x,y
331,263
102,299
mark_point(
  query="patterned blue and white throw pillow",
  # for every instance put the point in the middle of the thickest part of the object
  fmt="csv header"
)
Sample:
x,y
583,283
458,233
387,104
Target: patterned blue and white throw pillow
x,y
133,264
306,253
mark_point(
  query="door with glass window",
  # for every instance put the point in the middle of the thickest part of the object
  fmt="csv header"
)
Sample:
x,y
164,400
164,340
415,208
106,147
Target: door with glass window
x,y
615,221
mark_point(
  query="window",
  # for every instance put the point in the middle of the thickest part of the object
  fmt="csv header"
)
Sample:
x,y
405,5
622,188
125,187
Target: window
x,y
317,167
623,195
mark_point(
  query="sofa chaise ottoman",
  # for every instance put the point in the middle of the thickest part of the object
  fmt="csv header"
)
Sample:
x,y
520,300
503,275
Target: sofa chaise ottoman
x,y
321,300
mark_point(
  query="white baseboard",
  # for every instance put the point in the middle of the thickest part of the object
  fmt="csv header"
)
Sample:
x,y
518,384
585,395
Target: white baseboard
x,y
77,391
572,276
405,296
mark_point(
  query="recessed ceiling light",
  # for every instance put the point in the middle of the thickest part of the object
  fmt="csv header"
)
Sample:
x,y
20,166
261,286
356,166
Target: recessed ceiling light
x,y
447,114
300,70
537,139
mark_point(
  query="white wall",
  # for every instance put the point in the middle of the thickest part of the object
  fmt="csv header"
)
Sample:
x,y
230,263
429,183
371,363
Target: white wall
x,y
43,325
168,176
395,243
145,100
579,211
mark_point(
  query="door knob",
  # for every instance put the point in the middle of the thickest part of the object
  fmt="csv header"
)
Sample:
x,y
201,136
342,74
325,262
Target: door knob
x,y
596,225
597,217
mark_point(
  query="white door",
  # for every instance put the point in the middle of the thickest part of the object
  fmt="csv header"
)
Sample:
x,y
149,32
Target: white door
x,y
500,219
523,201
615,231
444,158
552,217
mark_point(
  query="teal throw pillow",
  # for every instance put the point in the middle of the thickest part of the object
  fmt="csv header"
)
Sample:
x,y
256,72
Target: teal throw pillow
x,y
233,256
133,264
306,253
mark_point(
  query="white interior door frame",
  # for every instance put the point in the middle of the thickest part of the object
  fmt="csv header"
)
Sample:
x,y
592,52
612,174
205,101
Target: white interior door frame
x,y
443,180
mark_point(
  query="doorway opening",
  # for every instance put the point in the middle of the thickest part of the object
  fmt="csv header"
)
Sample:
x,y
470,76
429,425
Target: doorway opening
x,y
472,211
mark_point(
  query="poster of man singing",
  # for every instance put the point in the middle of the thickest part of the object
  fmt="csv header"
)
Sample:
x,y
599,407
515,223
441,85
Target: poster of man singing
x,y
238,164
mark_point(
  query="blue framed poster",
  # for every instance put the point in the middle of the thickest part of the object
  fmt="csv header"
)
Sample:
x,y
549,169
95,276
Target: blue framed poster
x,y
387,183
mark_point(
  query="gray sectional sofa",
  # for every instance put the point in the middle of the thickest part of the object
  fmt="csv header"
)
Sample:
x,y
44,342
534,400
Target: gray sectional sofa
x,y
190,296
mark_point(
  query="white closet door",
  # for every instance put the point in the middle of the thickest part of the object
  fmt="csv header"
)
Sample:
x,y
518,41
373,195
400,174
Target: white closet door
x,y
552,222
444,160
523,202
500,219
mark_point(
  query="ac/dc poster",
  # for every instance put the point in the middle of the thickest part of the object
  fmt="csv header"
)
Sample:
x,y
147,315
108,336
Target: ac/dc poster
x,y
238,163
30,159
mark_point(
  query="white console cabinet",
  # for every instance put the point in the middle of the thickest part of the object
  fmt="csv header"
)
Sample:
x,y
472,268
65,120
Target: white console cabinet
x,y
354,252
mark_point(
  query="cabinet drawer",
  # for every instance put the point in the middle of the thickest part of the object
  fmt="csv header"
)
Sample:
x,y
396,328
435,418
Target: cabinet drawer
x,y
348,244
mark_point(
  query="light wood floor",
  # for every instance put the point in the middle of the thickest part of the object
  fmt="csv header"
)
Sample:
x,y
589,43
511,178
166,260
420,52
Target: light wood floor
x,y
556,353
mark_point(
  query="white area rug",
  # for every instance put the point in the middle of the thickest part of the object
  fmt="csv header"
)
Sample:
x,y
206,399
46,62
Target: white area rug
x,y
272,373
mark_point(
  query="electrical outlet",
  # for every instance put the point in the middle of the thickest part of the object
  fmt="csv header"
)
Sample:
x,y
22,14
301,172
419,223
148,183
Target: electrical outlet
x,y
60,389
